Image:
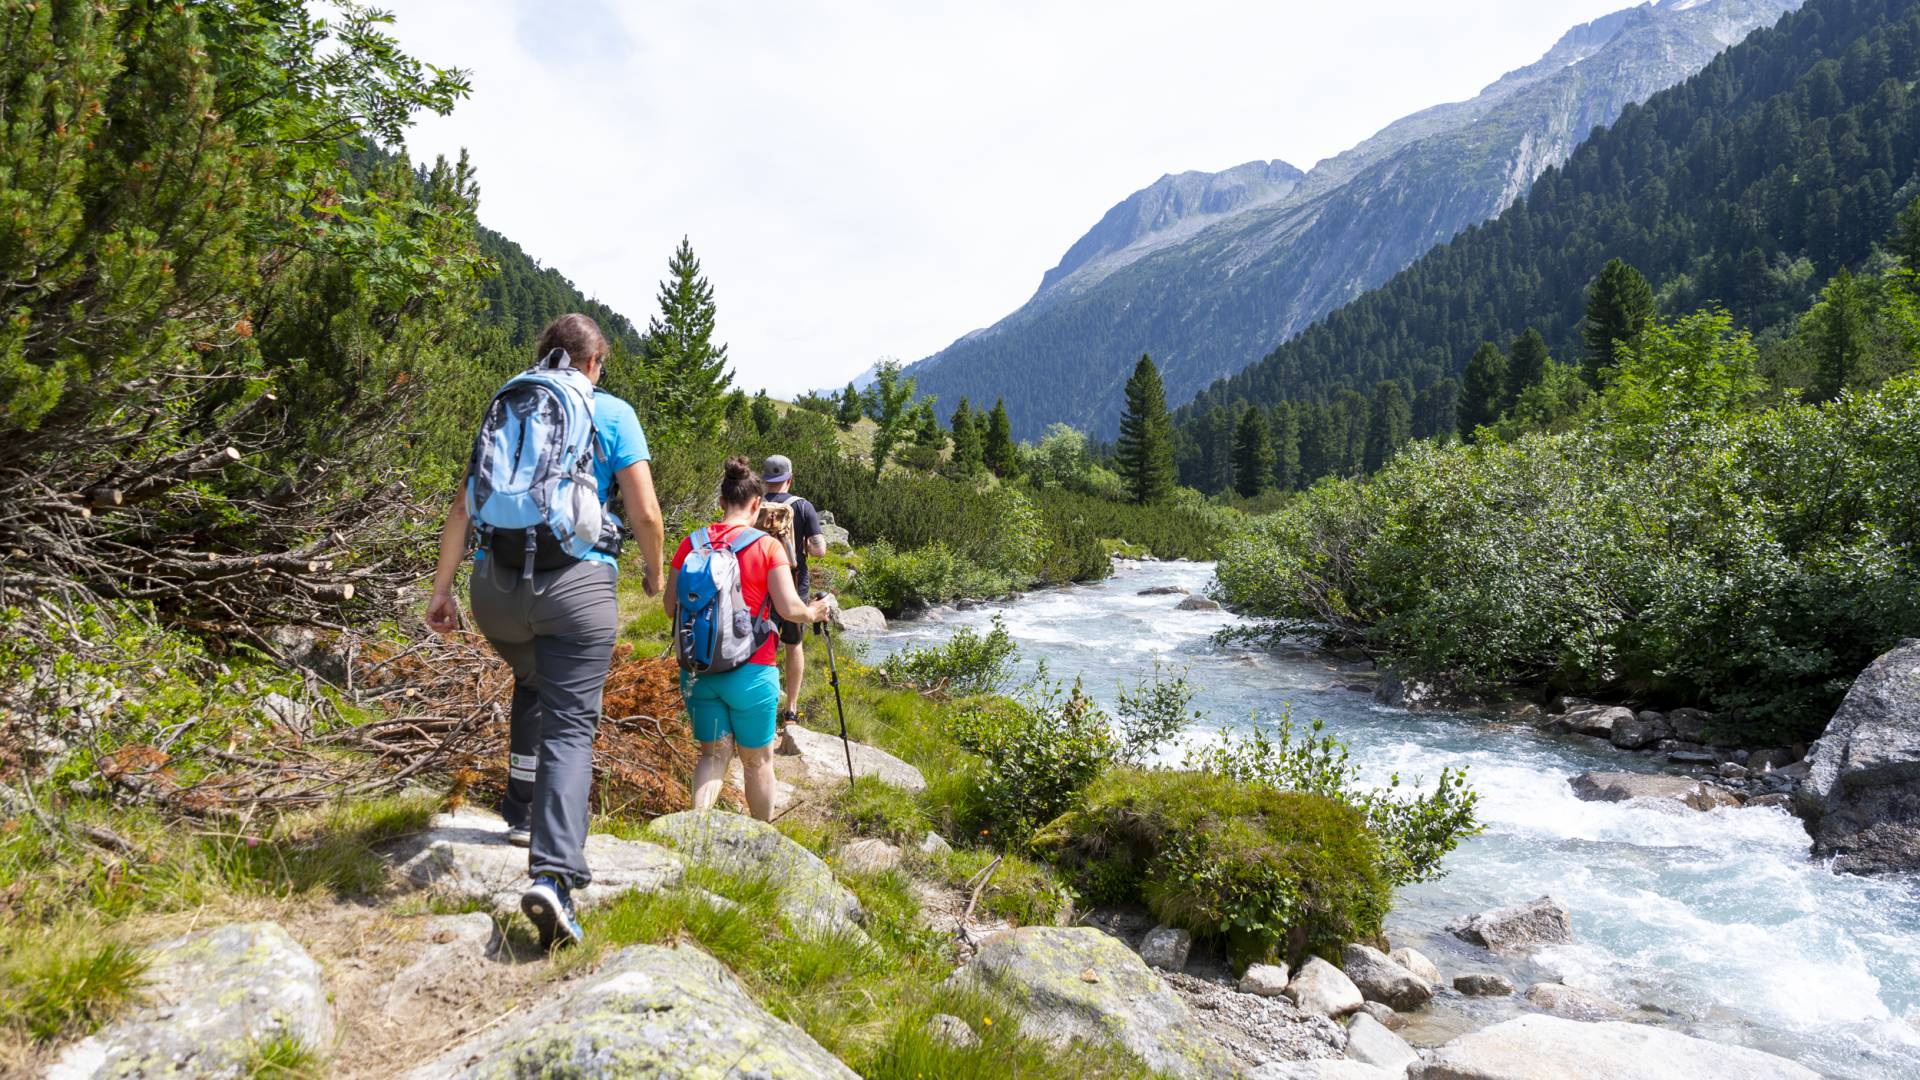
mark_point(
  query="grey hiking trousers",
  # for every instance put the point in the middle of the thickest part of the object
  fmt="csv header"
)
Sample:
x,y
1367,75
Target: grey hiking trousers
x,y
556,632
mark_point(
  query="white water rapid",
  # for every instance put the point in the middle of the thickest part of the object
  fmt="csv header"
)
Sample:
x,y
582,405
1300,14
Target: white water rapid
x,y
1716,923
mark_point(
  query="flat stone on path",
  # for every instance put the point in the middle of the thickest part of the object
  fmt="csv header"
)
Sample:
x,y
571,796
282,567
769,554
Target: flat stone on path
x,y
825,760
465,855
1548,1046
1657,787
1517,928
1044,971
868,856
736,844
211,998
449,950
648,1011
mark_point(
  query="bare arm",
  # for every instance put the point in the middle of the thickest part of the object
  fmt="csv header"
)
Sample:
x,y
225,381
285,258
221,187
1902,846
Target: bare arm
x,y
443,613
643,510
667,594
816,545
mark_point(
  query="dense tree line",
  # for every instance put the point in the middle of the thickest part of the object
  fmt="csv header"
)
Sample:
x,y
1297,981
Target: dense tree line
x,y
1779,163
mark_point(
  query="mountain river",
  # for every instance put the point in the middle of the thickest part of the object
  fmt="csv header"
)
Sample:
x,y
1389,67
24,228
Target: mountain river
x,y
1716,923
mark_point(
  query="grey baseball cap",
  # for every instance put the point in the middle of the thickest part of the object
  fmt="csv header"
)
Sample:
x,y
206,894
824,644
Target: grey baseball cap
x,y
776,469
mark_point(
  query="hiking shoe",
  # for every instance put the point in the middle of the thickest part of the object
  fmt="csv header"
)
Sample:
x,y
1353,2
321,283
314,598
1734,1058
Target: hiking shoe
x,y
520,836
549,905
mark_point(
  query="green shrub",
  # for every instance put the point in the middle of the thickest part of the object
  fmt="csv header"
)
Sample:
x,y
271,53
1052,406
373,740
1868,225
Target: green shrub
x,y
1267,872
968,663
1151,712
1035,758
895,581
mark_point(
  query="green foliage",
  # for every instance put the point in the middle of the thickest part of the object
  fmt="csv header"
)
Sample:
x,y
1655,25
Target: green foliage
x,y
1253,456
870,807
1484,390
523,296
283,1056
1036,757
1002,457
58,983
688,371
1618,306
1698,366
762,413
969,441
968,663
1268,872
1150,713
1527,362
850,407
888,398
1389,424
1145,450
896,581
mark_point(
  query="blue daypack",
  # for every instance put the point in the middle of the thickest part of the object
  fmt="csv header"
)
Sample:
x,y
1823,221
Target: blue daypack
x,y
531,491
713,632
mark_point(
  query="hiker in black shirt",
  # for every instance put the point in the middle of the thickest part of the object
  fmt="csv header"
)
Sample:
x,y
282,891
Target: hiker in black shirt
x,y
777,474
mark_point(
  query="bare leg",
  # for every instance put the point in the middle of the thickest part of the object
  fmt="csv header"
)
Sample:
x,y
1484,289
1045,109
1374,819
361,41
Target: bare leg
x,y
710,772
757,765
792,668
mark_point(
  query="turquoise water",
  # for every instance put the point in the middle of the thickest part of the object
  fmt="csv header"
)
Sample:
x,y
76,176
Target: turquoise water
x,y
1715,923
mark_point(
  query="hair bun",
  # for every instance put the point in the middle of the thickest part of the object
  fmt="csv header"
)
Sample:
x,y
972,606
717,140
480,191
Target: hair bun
x,y
739,468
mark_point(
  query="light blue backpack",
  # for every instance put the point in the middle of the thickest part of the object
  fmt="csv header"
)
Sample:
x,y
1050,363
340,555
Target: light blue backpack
x,y
531,491
713,631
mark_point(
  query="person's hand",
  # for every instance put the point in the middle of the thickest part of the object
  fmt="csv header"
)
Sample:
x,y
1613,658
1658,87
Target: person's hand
x,y
443,614
822,608
650,581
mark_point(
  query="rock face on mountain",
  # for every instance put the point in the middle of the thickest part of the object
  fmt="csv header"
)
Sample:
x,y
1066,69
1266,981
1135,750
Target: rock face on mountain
x,y
1208,272
1861,799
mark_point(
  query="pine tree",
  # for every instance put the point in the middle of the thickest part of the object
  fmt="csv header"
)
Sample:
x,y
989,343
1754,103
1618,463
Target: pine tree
x,y
1906,236
737,407
998,449
1318,455
888,399
1389,424
689,373
1252,453
926,427
968,445
1286,446
1618,306
851,407
1841,340
1484,390
1144,454
1436,410
765,416
1526,365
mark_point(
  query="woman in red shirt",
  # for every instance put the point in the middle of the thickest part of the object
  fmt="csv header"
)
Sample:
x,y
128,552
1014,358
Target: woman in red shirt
x,y
735,710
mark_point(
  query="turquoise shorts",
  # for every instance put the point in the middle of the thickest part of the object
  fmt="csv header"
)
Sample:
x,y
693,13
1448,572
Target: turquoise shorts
x,y
742,703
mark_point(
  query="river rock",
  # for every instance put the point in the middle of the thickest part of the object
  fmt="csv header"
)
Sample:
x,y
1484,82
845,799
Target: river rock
x,y
1692,757
465,855
1689,725
1322,1069
1320,988
1198,603
1567,703
1264,980
1549,1046
737,844
1563,1000
1778,798
1389,1019
824,758
1079,983
1861,798
1382,980
1640,732
1768,759
859,620
649,1011
1484,984
1405,692
1660,787
1416,961
867,856
1165,590
1517,928
1597,720
1166,947
211,997
1370,1043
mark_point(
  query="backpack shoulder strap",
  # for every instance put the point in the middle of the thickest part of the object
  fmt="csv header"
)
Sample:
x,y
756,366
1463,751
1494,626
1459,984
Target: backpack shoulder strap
x,y
743,538
698,539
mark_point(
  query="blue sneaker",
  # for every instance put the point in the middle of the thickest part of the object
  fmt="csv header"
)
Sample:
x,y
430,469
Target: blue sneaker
x,y
549,904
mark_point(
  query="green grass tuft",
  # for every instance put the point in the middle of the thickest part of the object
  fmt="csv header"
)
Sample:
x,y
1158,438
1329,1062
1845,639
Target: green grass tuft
x,y
56,983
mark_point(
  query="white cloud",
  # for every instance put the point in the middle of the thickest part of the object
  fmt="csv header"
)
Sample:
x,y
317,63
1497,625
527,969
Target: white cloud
x,y
874,179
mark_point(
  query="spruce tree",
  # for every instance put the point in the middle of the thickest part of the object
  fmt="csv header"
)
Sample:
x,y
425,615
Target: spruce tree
x,y
999,451
689,372
1389,424
851,407
926,427
1618,306
1252,453
1144,454
1436,410
1526,365
888,399
737,407
968,445
1906,236
1841,340
1286,446
1484,390
764,415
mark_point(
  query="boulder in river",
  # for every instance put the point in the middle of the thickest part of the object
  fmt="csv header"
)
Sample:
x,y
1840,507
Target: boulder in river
x,y
1660,787
1078,983
211,998
1861,797
1689,725
1198,603
1380,979
1483,984
736,844
1370,1043
1517,928
1391,1020
1320,988
1640,732
1416,961
860,620
1165,590
1563,1000
648,1011
824,757
1595,720
1549,1046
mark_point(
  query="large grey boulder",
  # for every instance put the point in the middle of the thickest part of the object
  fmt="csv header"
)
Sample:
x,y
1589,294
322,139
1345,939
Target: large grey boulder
x,y
648,1011
1416,961
1689,725
1320,988
1322,1069
1643,730
1595,720
465,856
824,758
859,620
1381,979
1518,928
1861,797
1198,603
1661,788
735,844
836,536
1548,1046
1079,983
1483,984
212,997
1370,1043
869,856
1574,1004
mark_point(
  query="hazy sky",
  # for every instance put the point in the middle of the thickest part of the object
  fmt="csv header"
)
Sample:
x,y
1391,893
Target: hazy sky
x,y
875,179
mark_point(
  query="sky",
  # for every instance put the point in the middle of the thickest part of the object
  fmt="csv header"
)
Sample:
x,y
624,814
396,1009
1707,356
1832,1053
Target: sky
x,y
863,179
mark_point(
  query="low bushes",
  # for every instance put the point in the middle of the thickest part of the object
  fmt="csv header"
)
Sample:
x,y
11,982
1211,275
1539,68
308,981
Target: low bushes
x,y
969,663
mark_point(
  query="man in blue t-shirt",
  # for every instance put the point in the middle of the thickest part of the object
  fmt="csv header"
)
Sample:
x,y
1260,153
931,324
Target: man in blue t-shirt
x,y
808,539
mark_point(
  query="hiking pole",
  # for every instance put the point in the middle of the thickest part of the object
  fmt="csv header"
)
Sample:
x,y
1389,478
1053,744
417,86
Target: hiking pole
x,y
833,678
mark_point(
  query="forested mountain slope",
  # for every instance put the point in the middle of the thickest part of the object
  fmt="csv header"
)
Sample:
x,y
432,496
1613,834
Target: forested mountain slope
x,y
524,295
1204,302
1798,144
